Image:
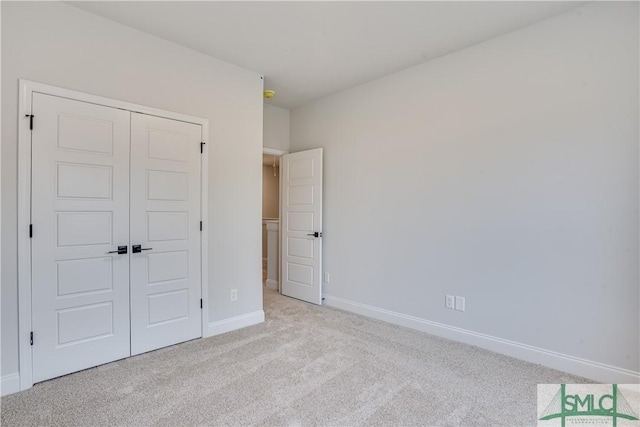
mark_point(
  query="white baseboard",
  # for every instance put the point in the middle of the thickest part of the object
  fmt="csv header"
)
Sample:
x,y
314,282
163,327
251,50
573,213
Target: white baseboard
x,y
10,384
231,324
574,365
272,284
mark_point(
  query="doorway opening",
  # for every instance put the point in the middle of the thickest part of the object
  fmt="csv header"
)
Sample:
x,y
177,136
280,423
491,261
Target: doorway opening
x,y
271,218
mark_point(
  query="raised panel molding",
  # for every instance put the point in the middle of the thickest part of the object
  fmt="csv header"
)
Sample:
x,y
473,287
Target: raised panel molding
x,y
165,185
71,139
301,274
166,266
299,247
300,169
168,306
84,228
301,195
163,145
163,226
300,221
84,181
83,323
98,272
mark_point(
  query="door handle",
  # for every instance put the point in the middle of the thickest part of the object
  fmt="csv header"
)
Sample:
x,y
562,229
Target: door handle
x,y
136,249
315,234
121,250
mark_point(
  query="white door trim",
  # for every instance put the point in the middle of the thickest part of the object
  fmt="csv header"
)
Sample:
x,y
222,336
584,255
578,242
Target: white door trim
x,y
27,88
273,151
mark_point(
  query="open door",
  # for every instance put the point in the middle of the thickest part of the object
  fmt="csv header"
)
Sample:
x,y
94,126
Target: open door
x,y
301,198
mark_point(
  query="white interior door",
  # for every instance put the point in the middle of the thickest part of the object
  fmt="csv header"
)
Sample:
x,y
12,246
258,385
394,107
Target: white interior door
x,y
165,222
80,215
302,225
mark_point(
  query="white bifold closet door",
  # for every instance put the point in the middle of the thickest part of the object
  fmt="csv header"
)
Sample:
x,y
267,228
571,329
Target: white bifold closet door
x,y
104,181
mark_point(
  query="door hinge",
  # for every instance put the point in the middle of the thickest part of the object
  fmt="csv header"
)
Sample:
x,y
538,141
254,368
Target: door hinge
x,y
30,120
201,303
200,225
31,338
202,147
30,231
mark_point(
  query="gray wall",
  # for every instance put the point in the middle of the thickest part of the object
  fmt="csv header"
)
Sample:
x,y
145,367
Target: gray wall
x,y
276,127
506,173
58,44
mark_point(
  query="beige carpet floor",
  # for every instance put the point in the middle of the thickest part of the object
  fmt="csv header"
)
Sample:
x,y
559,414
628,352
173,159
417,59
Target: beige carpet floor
x,y
306,365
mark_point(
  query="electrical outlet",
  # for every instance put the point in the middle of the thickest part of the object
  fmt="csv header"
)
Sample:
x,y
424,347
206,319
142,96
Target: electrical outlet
x,y
460,303
327,278
234,294
448,301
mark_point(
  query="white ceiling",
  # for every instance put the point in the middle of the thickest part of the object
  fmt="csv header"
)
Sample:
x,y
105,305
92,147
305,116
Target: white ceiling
x,y
308,50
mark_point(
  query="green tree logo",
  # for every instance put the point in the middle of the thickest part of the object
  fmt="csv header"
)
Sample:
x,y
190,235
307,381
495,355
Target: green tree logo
x,y
612,405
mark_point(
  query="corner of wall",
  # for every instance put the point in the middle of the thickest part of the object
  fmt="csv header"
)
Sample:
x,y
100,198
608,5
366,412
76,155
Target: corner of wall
x,y
233,323
9,384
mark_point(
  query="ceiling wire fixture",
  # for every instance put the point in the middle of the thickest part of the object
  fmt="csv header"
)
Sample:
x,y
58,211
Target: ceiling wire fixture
x,y
274,165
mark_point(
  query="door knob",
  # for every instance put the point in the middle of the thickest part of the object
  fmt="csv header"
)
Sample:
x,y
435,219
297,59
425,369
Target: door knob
x,y
315,234
138,248
121,250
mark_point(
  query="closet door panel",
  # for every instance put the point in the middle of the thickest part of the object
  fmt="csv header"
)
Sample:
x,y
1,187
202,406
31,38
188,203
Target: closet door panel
x,y
165,223
80,215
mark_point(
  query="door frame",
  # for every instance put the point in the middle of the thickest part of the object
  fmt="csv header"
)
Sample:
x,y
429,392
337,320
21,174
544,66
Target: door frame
x,y
27,88
279,153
